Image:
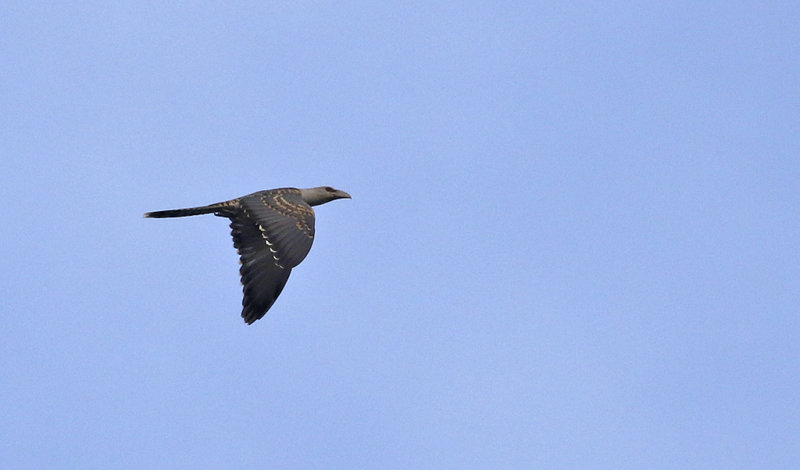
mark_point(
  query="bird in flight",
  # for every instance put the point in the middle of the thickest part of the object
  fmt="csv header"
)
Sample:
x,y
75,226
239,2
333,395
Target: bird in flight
x,y
273,231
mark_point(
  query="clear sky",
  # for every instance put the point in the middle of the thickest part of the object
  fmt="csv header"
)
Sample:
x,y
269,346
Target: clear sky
x,y
572,243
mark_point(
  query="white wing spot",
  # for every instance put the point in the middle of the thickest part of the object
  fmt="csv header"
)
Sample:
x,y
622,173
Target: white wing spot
x,y
264,235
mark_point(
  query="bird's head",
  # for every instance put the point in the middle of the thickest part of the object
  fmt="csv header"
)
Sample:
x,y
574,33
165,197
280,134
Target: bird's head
x,y
321,195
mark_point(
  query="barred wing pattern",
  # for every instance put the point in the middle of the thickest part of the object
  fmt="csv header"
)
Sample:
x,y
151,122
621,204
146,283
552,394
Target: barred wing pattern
x,y
273,232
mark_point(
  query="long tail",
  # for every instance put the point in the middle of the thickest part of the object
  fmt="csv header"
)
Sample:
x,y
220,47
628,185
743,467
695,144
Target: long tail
x,y
209,209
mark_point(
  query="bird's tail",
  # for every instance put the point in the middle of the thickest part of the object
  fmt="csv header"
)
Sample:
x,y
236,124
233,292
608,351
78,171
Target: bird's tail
x,y
209,209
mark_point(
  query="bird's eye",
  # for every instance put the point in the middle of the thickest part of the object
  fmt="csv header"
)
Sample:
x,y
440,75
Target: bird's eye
x,y
329,189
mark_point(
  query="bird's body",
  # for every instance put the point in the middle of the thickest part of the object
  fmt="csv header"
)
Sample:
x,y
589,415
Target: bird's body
x,y
273,231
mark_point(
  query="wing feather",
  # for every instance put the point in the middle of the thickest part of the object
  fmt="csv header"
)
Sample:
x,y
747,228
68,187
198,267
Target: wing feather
x,y
262,279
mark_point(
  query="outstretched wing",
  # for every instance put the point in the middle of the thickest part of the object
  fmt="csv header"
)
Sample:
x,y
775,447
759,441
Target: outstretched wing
x,y
273,232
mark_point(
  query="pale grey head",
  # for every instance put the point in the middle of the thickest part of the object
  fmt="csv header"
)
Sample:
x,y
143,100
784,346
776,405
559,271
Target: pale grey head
x,y
321,195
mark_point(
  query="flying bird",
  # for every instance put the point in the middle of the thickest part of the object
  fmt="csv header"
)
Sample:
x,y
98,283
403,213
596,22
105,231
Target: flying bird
x,y
273,231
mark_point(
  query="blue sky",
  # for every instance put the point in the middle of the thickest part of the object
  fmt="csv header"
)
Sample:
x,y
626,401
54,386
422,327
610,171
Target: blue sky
x,y
572,243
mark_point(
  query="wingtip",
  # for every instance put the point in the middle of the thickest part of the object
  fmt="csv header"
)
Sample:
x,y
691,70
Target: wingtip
x,y
249,316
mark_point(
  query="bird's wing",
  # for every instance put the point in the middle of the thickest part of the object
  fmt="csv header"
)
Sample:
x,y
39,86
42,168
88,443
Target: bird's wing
x,y
262,278
273,232
285,223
